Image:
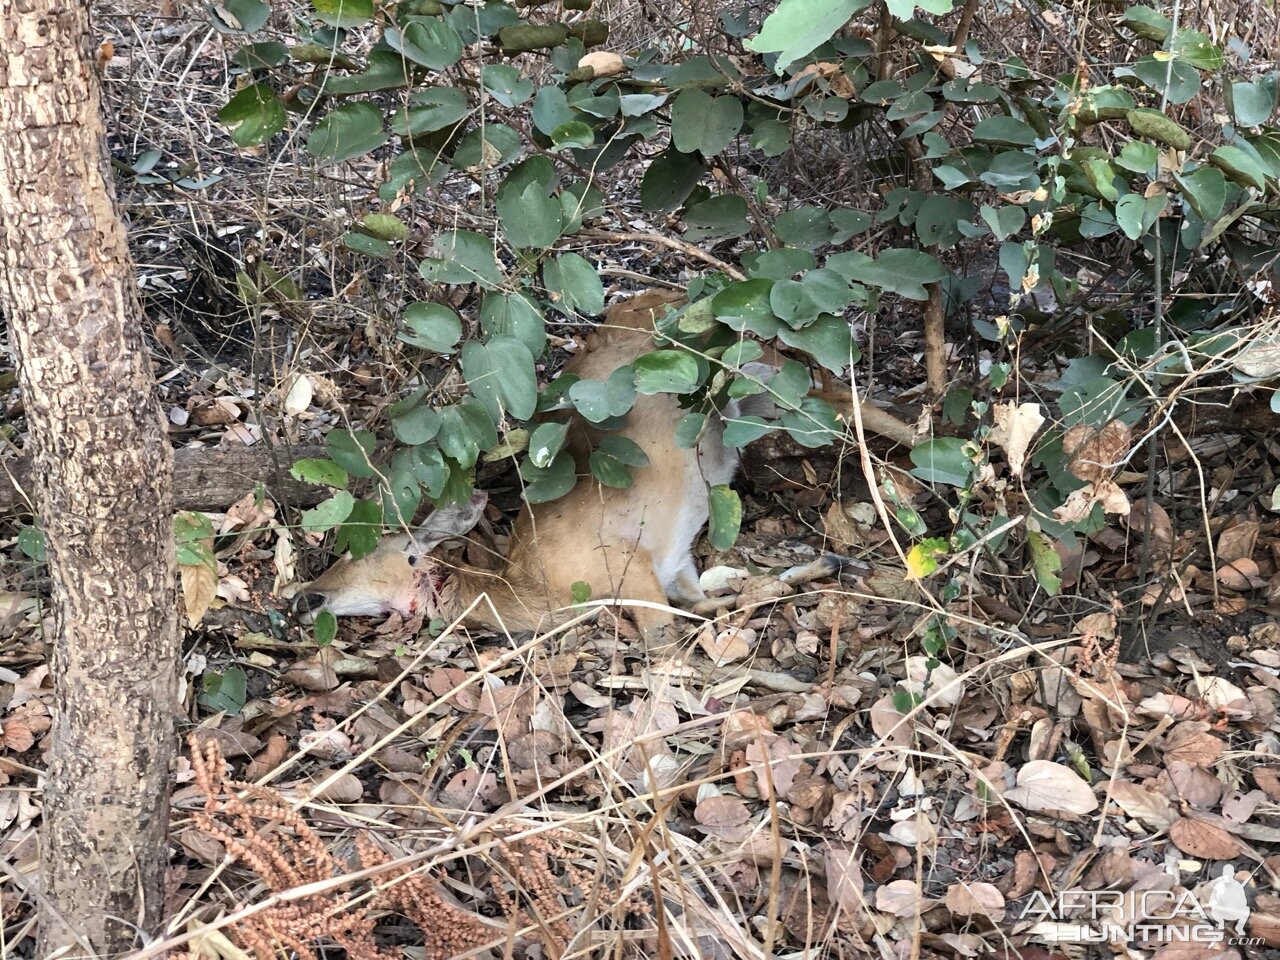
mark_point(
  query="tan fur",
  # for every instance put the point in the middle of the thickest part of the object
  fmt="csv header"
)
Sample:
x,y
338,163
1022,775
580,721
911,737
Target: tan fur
x,y
634,544
629,544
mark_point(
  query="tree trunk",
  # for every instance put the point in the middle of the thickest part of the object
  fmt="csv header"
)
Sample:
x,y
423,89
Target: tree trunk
x,y
104,484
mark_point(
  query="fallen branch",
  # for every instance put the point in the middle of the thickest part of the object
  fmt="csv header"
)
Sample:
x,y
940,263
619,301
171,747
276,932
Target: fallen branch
x,y
205,478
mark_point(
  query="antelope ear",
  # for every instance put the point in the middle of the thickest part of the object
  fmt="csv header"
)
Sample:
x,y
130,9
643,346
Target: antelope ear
x,y
451,520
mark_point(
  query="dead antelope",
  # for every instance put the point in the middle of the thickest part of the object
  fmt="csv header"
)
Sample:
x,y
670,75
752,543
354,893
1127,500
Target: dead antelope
x,y
631,544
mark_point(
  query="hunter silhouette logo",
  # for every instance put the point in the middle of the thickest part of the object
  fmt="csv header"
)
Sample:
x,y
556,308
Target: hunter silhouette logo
x,y
1143,916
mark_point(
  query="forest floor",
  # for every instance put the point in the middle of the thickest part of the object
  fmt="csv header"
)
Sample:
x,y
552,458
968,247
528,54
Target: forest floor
x,y
797,779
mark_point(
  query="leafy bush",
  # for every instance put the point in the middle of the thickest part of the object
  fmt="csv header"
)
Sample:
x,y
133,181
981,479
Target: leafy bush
x,y
1136,162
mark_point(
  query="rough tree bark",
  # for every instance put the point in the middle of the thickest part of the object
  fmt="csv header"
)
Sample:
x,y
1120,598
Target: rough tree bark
x,y
66,287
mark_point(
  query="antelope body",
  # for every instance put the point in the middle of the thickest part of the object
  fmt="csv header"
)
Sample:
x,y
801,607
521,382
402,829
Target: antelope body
x,y
629,544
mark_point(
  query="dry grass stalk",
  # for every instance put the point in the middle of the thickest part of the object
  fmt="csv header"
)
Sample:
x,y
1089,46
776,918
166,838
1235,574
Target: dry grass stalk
x,y
540,892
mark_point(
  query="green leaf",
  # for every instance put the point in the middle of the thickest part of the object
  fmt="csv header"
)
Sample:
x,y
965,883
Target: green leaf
x,y
580,591
501,376
385,226
431,326
1147,23
253,115
488,147
505,84
412,419
1251,103
849,223
547,440
745,305
666,371
324,628
550,110
1205,190
808,227
1193,47
225,692
543,484
574,284
386,71
327,514
427,41
901,271
1008,130
531,218
429,111
260,56
719,218
352,450
465,429
239,16
360,534
624,450
798,27
704,123
1045,562
1004,221
771,137
514,315
369,246
814,425
740,431
319,470
726,516
601,400
669,180
574,134
32,544
943,460
348,131
462,256
402,493
1240,165
344,13
829,340
1178,80
903,9
609,472
689,429
1138,156
1137,214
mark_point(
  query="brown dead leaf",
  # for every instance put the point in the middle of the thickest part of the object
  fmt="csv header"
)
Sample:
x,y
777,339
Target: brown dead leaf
x,y
345,789
845,884
1015,426
1268,779
199,586
1144,803
735,643
1241,575
269,757
902,898
975,900
213,412
1238,541
470,789
1096,454
1197,837
722,810
1080,502
1044,785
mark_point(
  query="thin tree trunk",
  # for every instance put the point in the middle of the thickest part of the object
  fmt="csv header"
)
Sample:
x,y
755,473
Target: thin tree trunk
x,y
103,477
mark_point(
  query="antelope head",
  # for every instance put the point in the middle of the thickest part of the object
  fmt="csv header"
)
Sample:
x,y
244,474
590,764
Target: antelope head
x,y
401,575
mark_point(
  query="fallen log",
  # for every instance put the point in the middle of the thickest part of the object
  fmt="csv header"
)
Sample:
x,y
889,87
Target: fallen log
x,y
204,478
